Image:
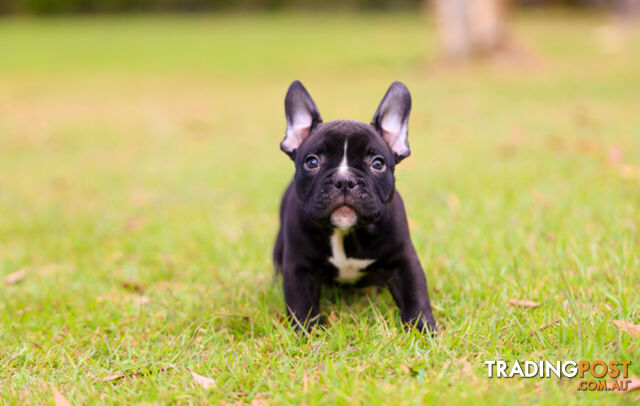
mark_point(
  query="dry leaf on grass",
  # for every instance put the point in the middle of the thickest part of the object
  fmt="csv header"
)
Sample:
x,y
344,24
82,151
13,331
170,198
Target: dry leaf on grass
x,y
546,326
130,284
15,277
59,399
523,303
627,327
113,377
203,381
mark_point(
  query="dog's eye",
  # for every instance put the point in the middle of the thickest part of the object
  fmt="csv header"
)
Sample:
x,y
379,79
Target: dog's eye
x,y
311,162
377,163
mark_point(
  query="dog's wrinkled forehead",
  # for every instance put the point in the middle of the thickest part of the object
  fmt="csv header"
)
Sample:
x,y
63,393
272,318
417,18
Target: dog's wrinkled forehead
x,y
332,137
346,128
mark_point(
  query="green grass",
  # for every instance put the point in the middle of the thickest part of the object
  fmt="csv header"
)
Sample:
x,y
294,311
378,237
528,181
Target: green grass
x,y
144,151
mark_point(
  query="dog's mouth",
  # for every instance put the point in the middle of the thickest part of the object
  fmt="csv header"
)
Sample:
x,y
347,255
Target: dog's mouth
x,y
344,217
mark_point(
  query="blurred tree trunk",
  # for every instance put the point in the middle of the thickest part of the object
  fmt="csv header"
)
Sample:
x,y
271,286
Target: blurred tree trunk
x,y
472,28
615,37
627,11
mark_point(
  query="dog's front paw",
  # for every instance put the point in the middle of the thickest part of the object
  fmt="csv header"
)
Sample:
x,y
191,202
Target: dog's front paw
x,y
307,324
423,324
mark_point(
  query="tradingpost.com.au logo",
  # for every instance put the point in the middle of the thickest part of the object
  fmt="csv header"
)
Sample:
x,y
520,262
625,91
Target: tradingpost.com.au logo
x,y
599,371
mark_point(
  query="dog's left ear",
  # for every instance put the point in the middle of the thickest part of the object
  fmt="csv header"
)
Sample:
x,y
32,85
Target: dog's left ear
x,y
392,118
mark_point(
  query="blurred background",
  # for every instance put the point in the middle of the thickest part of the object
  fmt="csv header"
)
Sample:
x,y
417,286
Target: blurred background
x,y
147,131
140,170
98,6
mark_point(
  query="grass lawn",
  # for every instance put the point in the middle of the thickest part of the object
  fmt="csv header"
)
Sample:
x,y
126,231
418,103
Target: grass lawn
x,y
140,178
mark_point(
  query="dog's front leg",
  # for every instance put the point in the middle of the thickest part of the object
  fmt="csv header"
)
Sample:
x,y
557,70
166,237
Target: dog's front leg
x,y
408,287
301,296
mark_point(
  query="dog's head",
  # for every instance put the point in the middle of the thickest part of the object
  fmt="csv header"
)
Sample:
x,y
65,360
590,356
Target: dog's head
x,y
344,169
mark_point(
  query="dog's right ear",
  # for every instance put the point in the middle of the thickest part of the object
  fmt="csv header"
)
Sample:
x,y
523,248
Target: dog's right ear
x,y
392,118
302,117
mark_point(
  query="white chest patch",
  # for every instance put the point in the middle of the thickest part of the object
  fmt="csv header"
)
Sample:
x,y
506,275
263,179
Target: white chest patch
x,y
348,268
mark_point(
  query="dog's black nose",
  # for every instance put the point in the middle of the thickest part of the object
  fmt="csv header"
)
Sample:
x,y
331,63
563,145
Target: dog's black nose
x,y
344,182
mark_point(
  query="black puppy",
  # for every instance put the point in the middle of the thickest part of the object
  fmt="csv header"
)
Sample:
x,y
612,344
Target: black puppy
x,y
342,221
